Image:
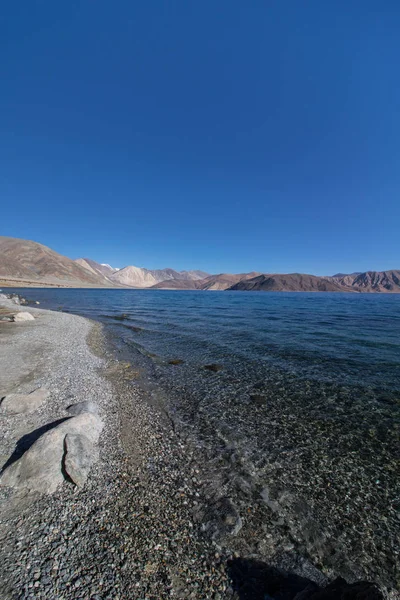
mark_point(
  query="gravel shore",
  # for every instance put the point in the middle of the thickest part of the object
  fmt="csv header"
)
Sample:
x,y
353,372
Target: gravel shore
x,y
129,533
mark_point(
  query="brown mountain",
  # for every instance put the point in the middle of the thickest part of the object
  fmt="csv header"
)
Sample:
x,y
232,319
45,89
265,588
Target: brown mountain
x,y
195,275
372,281
292,282
24,262
223,281
27,263
95,267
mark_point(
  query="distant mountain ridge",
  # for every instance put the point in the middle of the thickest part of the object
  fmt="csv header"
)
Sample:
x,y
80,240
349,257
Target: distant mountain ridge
x,y
27,262
137,276
24,262
373,281
223,281
94,267
292,282
140,277
370,282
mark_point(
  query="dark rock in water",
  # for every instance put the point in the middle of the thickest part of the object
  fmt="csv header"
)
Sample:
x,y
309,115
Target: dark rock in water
x,y
255,580
122,317
258,399
134,328
176,361
213,367
224,519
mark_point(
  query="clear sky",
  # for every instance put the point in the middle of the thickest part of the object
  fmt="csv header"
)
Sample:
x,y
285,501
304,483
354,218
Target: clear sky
x,y
215,134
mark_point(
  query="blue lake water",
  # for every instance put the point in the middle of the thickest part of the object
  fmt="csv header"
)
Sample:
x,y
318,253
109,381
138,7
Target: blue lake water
x,y
346,338
292,401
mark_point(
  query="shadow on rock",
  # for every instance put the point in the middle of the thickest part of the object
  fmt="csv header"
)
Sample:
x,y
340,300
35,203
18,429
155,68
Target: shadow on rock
x,y
255,580
28,440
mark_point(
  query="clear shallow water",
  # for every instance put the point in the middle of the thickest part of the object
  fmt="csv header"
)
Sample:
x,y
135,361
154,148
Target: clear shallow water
x,y
345,338
298,425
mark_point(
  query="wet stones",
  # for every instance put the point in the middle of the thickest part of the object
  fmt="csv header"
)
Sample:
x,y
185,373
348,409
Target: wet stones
x,y
258,399
224,520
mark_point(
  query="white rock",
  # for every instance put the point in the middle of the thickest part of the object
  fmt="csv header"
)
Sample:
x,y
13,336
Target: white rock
x,y
23,316
41,467
14,404
79,457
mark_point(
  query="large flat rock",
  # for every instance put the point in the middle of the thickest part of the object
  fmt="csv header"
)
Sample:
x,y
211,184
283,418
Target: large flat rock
x,y
41,468
14,404
23,316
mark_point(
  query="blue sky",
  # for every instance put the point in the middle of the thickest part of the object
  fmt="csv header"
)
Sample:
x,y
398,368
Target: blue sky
x,y
227,136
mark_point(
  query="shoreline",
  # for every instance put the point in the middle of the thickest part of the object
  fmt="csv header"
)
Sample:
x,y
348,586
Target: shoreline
x,y
132,531
27,284
128,533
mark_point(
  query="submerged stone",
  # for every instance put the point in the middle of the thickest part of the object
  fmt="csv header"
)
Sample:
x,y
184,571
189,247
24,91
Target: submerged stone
x,y
258,399
213,367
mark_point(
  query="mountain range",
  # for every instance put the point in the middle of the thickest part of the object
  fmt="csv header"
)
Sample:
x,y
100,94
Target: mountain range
x,y
28,263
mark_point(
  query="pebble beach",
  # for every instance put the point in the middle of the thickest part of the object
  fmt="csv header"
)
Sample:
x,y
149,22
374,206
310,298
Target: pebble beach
x,y
129,533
